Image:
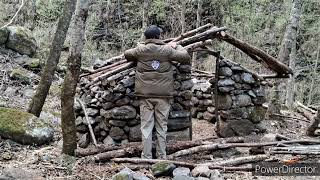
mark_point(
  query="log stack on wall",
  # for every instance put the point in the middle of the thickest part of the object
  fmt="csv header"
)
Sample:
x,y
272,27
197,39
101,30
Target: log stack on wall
x,y
240,100
114,113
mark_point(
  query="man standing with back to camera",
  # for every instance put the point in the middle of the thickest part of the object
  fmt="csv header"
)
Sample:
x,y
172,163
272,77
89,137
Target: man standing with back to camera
x,y
154,86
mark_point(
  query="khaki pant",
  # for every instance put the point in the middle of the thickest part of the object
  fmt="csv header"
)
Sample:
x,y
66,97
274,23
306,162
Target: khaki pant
x,y
154,112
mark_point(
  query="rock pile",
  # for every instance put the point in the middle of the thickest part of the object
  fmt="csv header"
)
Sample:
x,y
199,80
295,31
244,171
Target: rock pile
x,y
113,109
240,98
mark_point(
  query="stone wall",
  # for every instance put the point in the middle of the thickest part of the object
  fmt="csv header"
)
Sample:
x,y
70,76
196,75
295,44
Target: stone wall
x,y
114,111
240,97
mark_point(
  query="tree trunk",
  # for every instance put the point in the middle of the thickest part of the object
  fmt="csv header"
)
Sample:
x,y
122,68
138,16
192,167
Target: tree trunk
x,y
145,11
286,51
198,23
72,78
314,75
183,16
39,98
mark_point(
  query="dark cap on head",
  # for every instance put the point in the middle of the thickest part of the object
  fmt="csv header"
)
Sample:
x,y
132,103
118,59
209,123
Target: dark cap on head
x,y
153,32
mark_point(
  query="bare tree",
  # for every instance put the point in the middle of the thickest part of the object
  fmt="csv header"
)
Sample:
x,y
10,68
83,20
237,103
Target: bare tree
x,y
183,16
198,23
287,55
144,16
72,78
39,98
314,75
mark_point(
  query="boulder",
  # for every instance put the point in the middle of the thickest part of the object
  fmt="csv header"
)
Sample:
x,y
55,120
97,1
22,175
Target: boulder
x,y
225,71
23,127
225,82
140,176
162,169
224,101
121,113
117,133
226,89
258,114
247,78
135,134
182,177
123,101
243,127
216,175
92,112
21,40
175,124
201,170
186,94
125,174
118,123
4,33
185,68
181,171
186,85
109,141
208,116
120,88
84,140
14,173
128,82
242,100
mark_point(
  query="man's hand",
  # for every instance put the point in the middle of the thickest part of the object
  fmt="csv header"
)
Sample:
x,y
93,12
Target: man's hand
x,y
173,44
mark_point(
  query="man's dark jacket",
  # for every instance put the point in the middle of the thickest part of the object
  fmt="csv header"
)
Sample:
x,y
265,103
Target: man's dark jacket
x,y
154,73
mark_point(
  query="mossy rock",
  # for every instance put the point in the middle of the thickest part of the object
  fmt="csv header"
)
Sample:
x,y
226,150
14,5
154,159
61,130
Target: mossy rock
x,y
4,33
24,127
258,114
21,40
20,75
162,168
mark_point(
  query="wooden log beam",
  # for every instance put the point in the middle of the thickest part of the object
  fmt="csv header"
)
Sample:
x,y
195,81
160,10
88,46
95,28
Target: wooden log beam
x,y
211,147
192,32
239,160
104,69
209,34
270,61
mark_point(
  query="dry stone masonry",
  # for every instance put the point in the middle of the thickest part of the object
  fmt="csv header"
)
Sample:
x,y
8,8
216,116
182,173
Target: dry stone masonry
x,y
114,113
240,100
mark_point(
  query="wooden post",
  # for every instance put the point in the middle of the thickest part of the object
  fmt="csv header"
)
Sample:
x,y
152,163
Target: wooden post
x,y
216,87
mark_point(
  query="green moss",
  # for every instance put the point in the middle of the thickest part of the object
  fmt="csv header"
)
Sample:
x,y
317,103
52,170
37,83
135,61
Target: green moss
x,y
11,120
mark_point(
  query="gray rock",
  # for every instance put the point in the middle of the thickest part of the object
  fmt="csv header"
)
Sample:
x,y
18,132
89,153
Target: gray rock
x,y
243,112
181,171
259,91
109,141
125,141
84,140
258,114
92,112
125,174
251,93
236,78
21,40
120,88
176,85
117,133
182,177
186,94
176,107
11,173
135,134
247,78
270,137
21,75
123,101
259,100
185,68
107,105
225,82
226,89
224,101
225,71
211,109
242,100
202,178
194,100
4,34
243,127
133,122
199,115
186,85
208,102
201,170
24,128
33,64
237,68
128,82
162,169
121,113
118,123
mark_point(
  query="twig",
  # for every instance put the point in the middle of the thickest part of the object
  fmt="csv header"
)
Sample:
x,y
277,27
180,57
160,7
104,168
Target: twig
x,y
87,119
15,15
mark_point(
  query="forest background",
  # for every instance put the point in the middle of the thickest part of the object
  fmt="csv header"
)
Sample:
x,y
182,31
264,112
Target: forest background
x,y
116,25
